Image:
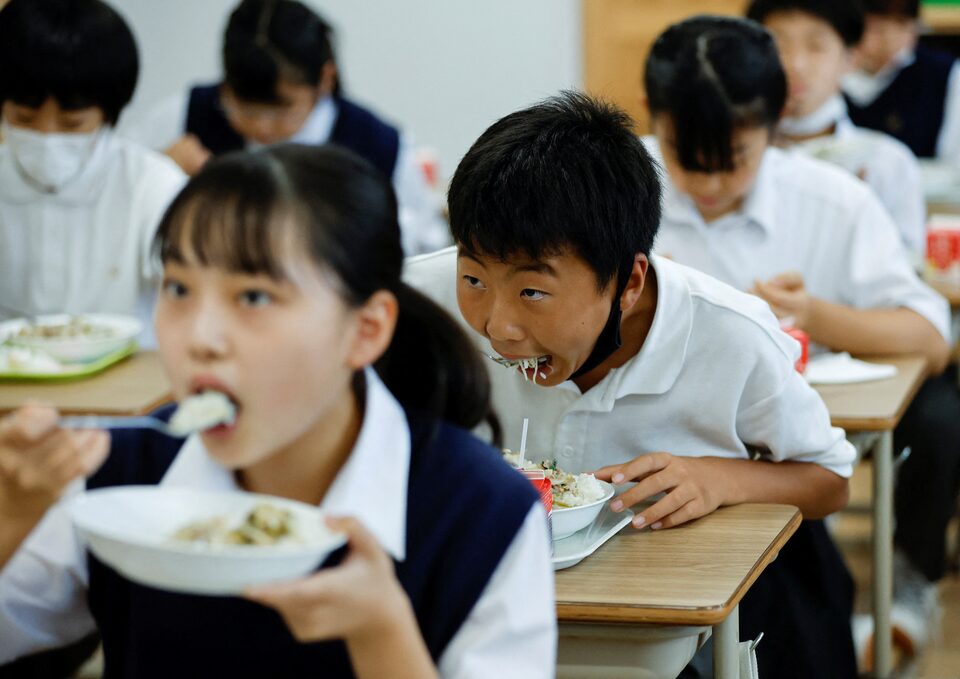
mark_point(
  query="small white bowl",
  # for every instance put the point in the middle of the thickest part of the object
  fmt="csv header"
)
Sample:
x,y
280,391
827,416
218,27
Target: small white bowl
x,y
568,520
123,330
130,528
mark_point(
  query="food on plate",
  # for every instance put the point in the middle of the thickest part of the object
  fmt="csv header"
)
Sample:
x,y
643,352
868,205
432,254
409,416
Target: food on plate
x,y
75,328
203,411
569,490
264,525
28,361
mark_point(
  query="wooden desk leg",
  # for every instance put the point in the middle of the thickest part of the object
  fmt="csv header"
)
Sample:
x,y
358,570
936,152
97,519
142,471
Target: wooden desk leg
x,y
882,554
726,649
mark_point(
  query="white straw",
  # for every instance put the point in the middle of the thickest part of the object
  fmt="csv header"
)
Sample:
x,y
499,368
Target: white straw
x,y
523,442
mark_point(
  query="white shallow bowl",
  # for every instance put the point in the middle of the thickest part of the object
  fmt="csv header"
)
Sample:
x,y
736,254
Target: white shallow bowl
x,y
569,520
124,329
130,529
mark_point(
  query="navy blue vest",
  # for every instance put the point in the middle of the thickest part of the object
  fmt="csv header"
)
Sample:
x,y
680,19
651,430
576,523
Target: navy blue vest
x,y
465,507
355,128
911,108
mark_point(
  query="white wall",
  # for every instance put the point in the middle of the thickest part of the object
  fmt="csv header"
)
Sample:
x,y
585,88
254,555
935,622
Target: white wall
x,y
442,69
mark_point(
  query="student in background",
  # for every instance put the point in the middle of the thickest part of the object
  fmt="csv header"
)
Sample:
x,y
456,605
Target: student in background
x,y
813,242
281,82
282,290
78,205
647,371
904,88
815,39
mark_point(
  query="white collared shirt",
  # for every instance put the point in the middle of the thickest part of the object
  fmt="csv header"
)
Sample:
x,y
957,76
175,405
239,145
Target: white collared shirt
x,y
887,165
511,629
864,88
715,376
423,226
86,248
802,215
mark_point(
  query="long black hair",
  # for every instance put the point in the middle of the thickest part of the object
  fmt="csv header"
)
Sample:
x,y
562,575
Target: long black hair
x,y
238,212
269,40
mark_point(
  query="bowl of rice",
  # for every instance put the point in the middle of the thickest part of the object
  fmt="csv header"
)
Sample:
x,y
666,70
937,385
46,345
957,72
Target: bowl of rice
x,y
577,498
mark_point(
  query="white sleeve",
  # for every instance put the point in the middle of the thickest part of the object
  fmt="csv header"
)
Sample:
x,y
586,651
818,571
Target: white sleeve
x,y
900,188
161,181
948,141
43,601
161,125
511,632
880,274
423,225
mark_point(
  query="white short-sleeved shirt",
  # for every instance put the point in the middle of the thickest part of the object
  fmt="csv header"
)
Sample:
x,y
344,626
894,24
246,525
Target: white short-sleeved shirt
x,y
886,164
715,376
808,216
88,247
863,88
423,227
511,631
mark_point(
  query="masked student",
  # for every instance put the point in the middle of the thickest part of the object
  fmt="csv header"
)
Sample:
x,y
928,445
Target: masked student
x,y
78,205
816,39
282,290
633,366
281,82
813,242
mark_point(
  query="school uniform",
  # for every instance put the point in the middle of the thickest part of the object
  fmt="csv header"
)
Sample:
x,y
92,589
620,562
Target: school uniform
x,y
884,163
807,216
467,534
716,377
915,98
335,119
86,248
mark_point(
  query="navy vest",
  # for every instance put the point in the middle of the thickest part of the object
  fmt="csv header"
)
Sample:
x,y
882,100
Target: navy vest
x,y
355,128
911,108
465,507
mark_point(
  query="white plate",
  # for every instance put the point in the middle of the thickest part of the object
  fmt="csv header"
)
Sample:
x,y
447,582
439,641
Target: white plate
x,y
572,550
568,520
130,528
844,369
75,349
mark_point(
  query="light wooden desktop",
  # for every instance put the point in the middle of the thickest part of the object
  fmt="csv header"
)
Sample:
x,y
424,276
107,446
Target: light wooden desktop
x,y
692,577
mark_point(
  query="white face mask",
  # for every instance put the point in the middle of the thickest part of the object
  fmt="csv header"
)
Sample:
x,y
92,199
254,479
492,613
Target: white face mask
x,y
49,161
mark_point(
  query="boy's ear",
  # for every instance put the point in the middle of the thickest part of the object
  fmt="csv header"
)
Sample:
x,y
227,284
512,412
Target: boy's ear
x,y
328,78
375,323
644,102
638,278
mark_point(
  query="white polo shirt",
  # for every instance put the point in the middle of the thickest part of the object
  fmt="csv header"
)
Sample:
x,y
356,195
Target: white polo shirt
x,y
802,215
715,377
511,630
886,164
88,247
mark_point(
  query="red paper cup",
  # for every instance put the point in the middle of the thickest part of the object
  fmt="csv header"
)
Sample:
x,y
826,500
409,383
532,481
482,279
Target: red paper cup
x,y
804,339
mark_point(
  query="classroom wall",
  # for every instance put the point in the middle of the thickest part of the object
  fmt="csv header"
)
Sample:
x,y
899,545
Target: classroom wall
x,y
442,69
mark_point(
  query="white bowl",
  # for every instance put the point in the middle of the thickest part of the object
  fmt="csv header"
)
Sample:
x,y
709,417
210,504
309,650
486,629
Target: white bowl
x,y
123,330
568,520
130,528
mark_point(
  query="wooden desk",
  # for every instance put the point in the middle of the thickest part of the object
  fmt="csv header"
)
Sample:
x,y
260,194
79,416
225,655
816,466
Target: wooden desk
x,y
875,409
692,575
132,387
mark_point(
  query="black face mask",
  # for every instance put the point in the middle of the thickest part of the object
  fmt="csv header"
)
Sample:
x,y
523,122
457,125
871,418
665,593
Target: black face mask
x,y
609,340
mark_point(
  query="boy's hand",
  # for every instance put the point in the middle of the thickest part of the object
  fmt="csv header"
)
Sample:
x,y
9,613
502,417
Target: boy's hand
x,y
38,460
356,600
787,296
694,487
189,154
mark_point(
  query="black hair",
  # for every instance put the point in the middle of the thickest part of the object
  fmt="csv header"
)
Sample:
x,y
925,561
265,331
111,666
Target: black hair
x,y
80,52
233,213
711,75
845,16
270,40
565,174
901,9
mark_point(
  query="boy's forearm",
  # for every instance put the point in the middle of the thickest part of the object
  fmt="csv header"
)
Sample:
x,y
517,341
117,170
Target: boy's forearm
x,y
874,332
817,491
13,531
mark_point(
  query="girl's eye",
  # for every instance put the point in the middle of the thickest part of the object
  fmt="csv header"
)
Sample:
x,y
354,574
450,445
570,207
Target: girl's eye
x,y
473,281
531,294
174,288
255,298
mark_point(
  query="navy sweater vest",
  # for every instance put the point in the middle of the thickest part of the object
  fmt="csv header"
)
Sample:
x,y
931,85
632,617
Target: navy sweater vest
x,y
355,128
464,509
911,108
